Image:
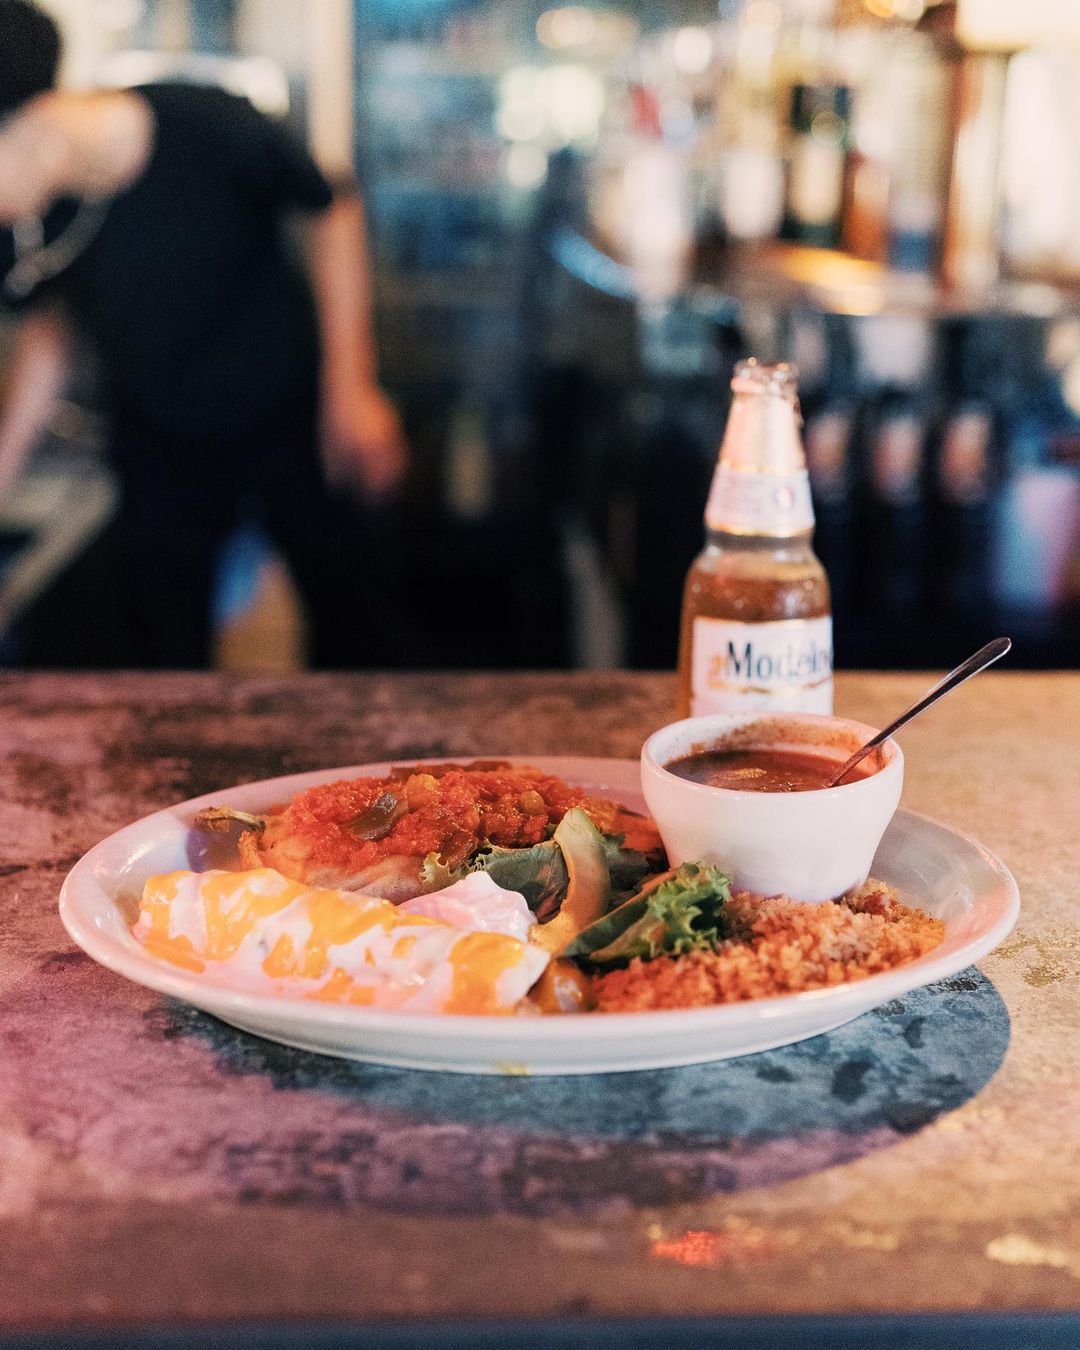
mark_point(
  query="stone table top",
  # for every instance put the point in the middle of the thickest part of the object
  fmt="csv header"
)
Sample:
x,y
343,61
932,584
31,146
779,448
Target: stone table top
x,y
158,1168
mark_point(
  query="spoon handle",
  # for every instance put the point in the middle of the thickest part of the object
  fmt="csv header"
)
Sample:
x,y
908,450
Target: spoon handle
x,y
985,656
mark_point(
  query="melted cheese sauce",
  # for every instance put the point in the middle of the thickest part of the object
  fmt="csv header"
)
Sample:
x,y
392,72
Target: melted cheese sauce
x,y
258,930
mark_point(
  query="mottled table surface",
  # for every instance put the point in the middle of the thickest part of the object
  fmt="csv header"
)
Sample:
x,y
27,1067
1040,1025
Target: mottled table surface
x,y
158,1167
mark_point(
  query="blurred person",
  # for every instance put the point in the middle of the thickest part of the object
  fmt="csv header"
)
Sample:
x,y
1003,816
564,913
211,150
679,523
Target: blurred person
x,y
150,224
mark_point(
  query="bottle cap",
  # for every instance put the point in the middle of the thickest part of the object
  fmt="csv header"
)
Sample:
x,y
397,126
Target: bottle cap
x,y
756,377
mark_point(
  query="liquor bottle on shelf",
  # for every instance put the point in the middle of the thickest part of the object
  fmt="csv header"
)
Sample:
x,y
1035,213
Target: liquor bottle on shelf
x,y
917,88
757,617
656,214
820,133
752,178
751,164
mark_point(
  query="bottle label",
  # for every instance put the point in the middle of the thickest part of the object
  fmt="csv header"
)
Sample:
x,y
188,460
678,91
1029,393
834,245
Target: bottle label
x,y
784,665
817,179
828,439
963,470
775,505
897,459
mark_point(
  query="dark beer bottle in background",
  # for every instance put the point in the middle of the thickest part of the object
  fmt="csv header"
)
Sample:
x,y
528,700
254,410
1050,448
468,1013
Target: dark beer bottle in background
x,y
829,438
895,519
962,475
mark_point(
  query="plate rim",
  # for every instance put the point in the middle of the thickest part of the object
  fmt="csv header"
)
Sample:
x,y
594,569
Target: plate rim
x,y
129,962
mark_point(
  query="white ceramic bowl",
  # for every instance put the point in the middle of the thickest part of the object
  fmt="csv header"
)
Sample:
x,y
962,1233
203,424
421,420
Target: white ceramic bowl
x,y
810,845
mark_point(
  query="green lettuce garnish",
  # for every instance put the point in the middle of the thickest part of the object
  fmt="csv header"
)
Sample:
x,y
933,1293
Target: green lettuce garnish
x,y
683,913
538,873
627,868
436,875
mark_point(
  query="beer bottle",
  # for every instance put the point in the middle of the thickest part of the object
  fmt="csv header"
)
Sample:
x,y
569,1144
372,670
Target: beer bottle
x,y
756,620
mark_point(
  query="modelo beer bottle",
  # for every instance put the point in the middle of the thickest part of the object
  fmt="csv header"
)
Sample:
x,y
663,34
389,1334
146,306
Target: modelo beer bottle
x,y
756,620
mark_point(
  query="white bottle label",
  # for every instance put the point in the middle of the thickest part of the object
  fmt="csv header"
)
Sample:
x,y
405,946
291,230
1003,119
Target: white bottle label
x,y
817,179
784,665
776,505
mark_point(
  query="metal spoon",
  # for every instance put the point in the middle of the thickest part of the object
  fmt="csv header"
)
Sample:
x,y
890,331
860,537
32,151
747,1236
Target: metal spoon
x,y
985,656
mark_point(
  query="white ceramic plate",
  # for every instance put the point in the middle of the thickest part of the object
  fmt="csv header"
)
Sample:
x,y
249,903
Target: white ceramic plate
x,y
946,873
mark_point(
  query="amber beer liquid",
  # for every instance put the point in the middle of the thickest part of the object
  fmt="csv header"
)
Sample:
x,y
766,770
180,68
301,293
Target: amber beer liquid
x,y
756,620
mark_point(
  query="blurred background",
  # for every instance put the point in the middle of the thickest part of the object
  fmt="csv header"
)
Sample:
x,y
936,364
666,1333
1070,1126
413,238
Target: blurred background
x,y
580,217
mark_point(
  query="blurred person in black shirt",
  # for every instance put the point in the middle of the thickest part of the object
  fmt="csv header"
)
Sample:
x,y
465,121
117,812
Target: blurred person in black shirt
x,y
150,223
